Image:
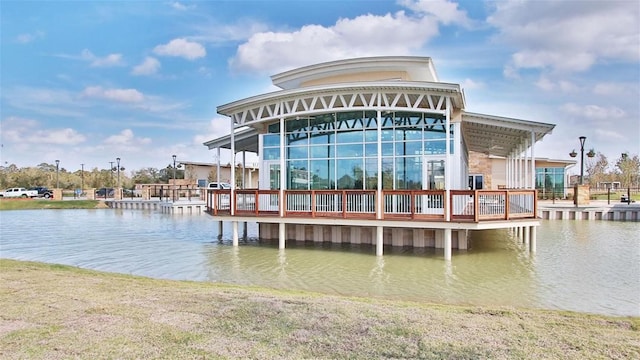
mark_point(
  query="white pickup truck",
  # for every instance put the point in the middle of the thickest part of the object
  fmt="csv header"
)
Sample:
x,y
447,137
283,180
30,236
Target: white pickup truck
x,y
18,192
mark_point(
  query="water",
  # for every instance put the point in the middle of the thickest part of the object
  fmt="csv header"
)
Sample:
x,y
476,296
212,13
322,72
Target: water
x,y
586,266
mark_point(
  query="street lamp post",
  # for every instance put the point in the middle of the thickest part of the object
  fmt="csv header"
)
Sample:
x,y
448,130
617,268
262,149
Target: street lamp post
x,y
57,173
581,195
117,169
111,172
81,179
174,169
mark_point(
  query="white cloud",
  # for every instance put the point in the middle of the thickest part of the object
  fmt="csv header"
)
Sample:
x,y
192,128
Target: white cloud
x,y
546,84
217,127
182,48
365,35
470,84
593,111
568,35
120,95
126,138
445,11
610,88
149,66
180,6
29,131
107,61
29,37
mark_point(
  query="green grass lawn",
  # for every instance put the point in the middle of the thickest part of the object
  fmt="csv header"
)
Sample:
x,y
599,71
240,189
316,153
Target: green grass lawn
x,y
29,204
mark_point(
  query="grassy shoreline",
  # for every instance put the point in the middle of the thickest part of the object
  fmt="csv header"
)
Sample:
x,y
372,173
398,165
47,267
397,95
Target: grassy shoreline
x,y
56,311
35,204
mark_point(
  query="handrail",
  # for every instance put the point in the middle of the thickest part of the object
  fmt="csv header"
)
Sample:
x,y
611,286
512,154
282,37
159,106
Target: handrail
x,y
426,205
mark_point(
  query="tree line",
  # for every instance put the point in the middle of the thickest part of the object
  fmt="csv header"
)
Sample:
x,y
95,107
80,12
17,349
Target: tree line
x,y
625,169
46,175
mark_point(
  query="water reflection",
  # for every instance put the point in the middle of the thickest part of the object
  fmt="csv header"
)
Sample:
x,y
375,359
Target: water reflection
x,y
590,266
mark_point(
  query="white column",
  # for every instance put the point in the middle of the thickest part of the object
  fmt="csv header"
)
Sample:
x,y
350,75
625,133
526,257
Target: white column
x,y
447,162
526,166
218,166
283,170
244,160
232,200
379,240
532,244
235,232
447,244
533,160
282,234
527,232
379,196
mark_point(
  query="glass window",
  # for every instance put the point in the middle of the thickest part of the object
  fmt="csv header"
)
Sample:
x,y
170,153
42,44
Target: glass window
x,y
409,148
293,125
322,174
435,147
408,134
387,149
387,174
349,150
321,152
322,138
371,119
271,154
370,149
349,173
298,175
371,135
297,152
299,139
271,140
274,128
344,137
371,174
408,173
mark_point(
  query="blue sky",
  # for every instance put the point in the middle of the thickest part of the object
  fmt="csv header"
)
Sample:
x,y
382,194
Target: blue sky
x,y
88,81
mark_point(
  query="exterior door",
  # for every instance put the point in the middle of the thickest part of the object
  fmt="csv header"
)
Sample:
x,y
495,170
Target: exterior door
x,y
270,179
432,173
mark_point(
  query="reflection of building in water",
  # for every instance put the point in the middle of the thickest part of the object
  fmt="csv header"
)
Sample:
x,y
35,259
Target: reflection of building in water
x,y
376,150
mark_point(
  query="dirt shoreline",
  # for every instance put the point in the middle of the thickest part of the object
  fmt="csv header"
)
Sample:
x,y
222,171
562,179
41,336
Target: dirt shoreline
x,y
59,312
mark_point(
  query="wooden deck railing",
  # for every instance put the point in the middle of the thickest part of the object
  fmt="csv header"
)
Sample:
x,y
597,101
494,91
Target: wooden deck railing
x,y
424,205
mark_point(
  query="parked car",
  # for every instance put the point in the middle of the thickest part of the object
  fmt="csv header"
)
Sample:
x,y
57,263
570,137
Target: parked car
x,y
105,192
43,191
18,193
219,186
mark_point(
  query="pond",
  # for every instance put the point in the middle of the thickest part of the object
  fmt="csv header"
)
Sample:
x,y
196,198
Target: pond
x,y
585,266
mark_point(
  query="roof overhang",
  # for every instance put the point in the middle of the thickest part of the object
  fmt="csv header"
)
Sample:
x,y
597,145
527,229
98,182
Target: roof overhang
x,y
246,139
500,136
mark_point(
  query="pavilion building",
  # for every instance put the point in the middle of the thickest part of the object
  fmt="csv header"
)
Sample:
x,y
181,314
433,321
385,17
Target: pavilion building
x,y
375,151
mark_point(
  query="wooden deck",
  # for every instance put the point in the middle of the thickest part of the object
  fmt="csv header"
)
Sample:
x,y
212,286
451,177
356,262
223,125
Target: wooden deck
x,y
473,206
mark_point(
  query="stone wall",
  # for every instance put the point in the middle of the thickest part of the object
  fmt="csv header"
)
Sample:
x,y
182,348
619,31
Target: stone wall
x,y
480,164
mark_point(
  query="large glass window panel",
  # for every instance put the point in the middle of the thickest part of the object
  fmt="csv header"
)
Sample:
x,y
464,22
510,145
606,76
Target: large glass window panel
x,y
349,173
321,151
371,135
298,139
387,174
297,175
271,140
387,149
349,120
408,172
271,153
387,135
274,128
408,148
344,137
408,134
371,174
435,134
321,138
435,147
349,150
293,125
370,149
297,152
371,119
322,174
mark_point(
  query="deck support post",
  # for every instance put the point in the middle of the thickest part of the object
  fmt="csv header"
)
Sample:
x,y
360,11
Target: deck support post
x,y
527,232
235,232
281,235
379,240
220,228
447,244
532,244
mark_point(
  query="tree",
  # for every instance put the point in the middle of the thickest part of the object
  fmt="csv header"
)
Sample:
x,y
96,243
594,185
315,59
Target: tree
x,y
597,169
629,170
